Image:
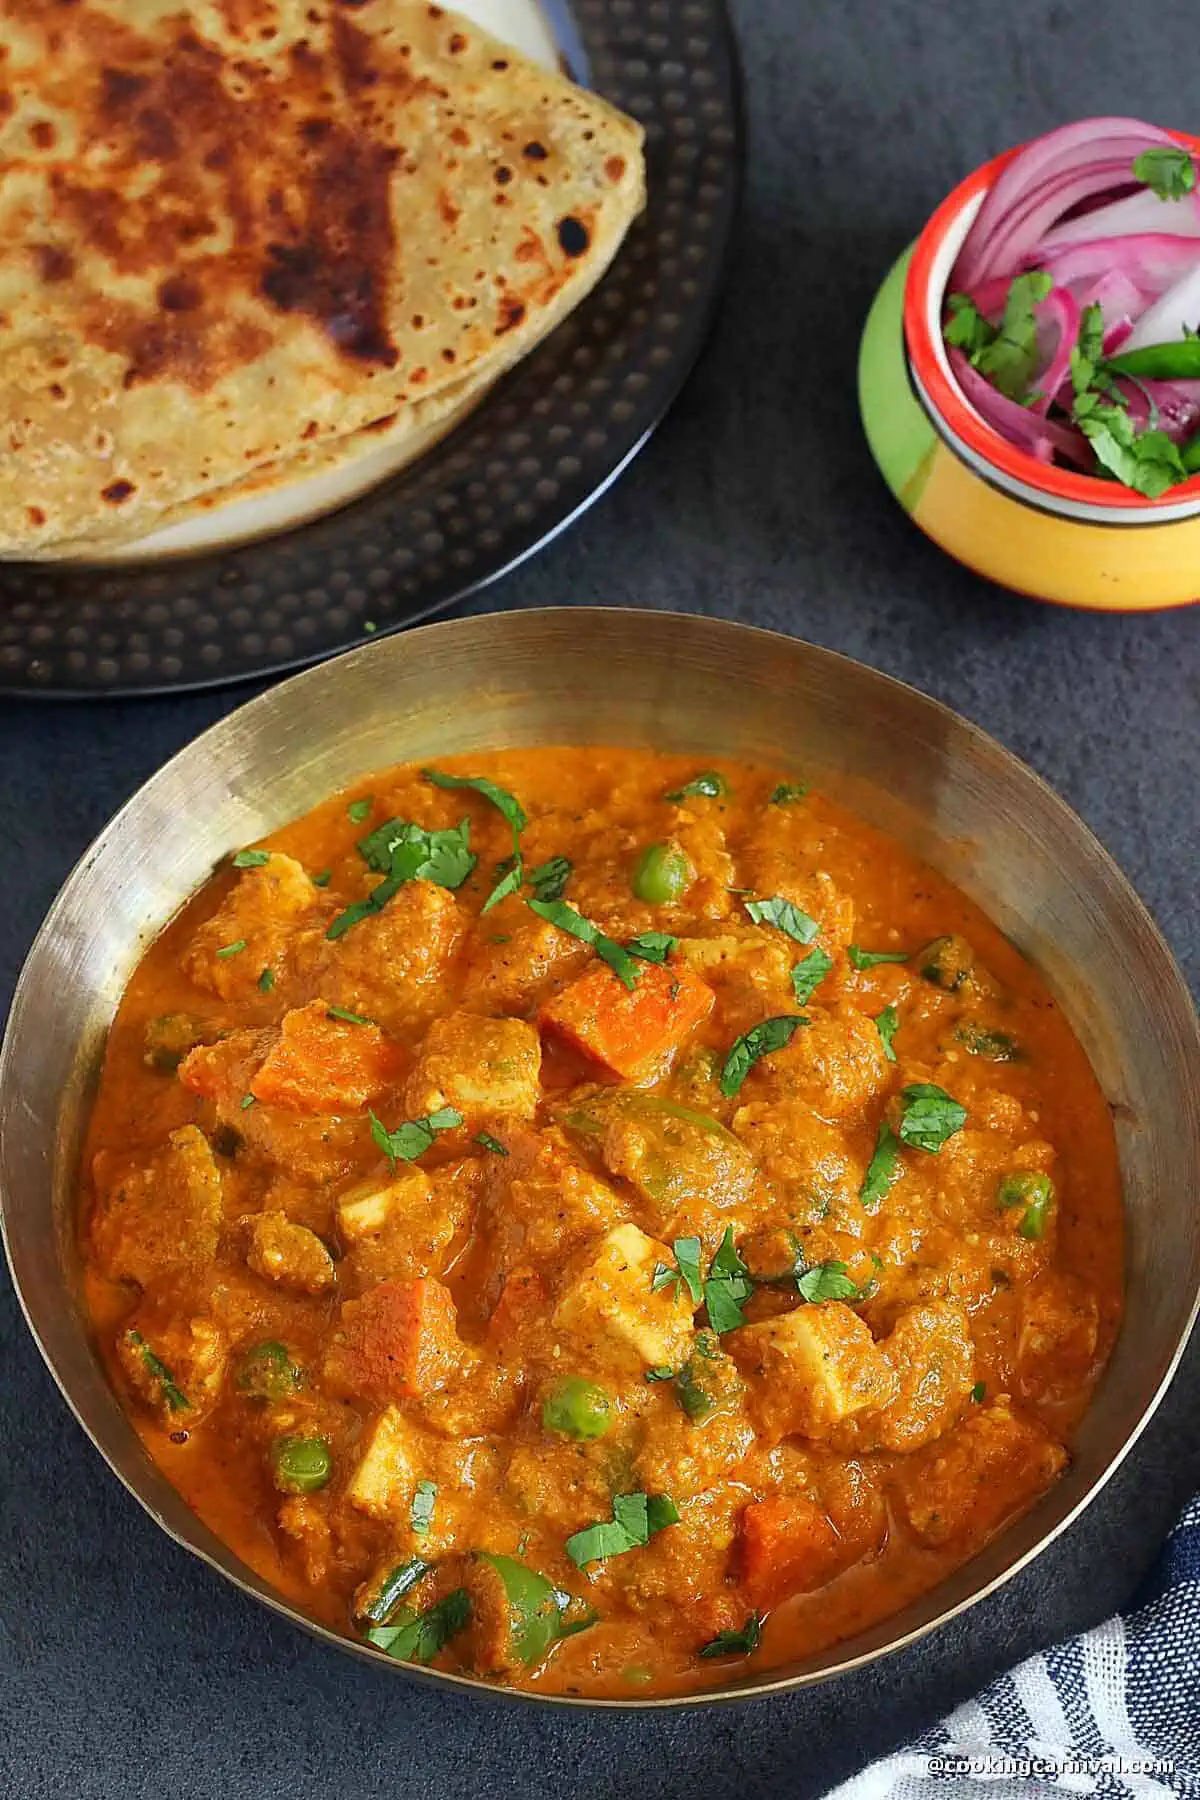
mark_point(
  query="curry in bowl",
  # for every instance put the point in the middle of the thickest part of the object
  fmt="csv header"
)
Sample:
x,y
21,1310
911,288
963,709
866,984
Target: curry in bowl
x,y
597,1223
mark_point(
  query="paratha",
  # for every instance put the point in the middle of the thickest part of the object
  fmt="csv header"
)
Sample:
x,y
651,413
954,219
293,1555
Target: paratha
x,y
232,234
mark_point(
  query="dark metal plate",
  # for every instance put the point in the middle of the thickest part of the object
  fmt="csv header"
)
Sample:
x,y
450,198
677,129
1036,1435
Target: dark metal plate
x,y
535,454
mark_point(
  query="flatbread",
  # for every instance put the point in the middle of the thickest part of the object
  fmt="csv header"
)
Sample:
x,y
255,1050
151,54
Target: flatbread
x,y
233,234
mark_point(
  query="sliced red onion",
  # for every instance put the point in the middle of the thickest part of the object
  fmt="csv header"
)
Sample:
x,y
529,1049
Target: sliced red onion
x,y
1171,406
1153,261
1026,429
1135,215
1163,323
1120,301
1058,314
1046,179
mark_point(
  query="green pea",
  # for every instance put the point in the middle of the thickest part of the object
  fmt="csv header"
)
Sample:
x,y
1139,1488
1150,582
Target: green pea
x,y
662,873
267,1372
577,1409
1032,1191
300,1465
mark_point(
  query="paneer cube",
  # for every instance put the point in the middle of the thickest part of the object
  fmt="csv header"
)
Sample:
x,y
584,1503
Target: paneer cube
x,y
369,1206
391,965
174,1366
632,1032
289,1254
481,1066
326,1064
399,1339
260,913
160,1215
613,1313
989,1469
810,1369
389,1468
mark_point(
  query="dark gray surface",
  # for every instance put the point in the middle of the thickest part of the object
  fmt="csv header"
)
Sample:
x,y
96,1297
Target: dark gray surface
x,y
127,1669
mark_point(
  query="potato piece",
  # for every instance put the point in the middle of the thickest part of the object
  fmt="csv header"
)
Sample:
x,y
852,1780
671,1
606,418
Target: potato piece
x,y
481,1066
402,1224
682,1458
163,1215
262,911
963,1490
671,1156
811,1368
804,1158
1060,1328
392,966
515,959
289,1254
305,1518
399,1339
541,1205
613,1313
931,1351
175,1367
837,1066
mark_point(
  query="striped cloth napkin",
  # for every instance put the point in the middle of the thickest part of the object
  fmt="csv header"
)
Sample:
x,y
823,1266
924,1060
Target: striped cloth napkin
x,y
1114,1713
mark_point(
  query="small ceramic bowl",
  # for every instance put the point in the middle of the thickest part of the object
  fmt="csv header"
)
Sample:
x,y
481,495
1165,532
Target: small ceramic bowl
x,y
1040,530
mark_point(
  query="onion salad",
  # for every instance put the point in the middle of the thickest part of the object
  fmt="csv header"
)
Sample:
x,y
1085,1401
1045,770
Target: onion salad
x,y
1072,320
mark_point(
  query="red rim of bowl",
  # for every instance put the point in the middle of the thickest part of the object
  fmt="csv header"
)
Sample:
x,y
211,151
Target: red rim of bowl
x,y
947,398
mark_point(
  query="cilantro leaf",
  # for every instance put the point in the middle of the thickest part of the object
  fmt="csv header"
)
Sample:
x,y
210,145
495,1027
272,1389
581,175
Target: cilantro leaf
x,y
687,1257
488,1142
887,1024
322,878
266,981
727,1286
966,328
234,949
809,972
979,1392
992,1046
652,946
786,916
1170,172
403,851
550,878
420,1639
882,1170
709,785
414,1136
173,1397
512,875
505,803
867,959
1148,462
1010,359
787,792
251,859
350,1018
566,918
358,810
420,1513
828,1281
660,1372
636,1517
760,1040
737,1643
930,1116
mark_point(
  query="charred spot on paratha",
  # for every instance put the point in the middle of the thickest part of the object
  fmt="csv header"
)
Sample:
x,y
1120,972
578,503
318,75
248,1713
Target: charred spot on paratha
x,y
573,236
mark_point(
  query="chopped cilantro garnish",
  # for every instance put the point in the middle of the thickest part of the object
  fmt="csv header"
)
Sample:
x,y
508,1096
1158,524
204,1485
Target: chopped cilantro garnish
x,y
652,946
660,1372
867,959
420,1513
930,1116
727,1286
358,810
420,1639
887,1024
351,1018
829,1281
978,1392
1011,357
511,874
687,1257
251,859
708,785
636,1517
404,852
415,1136
488,1142
966,329
760,1040
234,949
786,916
248,1100
266,981
882,1169
736,1643
505,803
1170,172
323,879
550,878
173,1396
787,792
809,972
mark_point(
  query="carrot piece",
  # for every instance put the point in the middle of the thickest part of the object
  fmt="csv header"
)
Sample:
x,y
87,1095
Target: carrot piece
x,y
401,1338
522,1301
630,1031
326,1064
787,1546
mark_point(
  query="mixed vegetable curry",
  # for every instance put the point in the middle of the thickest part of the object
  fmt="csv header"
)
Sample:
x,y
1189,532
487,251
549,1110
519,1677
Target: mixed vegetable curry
x,y
597,1223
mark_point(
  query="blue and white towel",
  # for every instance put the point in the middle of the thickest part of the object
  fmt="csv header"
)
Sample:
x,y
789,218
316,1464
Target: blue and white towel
x,y
1114,1713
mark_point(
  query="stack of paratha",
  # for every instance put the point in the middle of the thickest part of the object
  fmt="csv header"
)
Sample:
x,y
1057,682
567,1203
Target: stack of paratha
x,y
241,242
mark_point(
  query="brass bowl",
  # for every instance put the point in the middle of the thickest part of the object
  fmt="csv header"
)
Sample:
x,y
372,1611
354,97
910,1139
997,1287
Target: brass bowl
x,y
698,686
